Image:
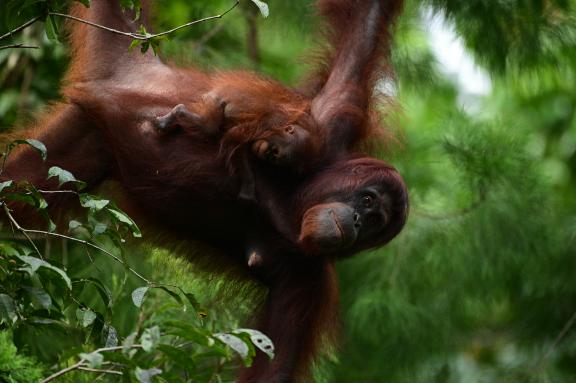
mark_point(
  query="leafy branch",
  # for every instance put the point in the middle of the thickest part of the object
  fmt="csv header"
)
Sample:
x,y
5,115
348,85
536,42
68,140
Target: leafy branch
x,y
140,37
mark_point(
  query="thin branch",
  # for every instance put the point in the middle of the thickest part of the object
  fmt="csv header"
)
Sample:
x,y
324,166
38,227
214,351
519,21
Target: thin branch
x,y
561,335
84,242
140,36
20,45
21,27
81,366
21,229
114,372
132,35
63,371
195,22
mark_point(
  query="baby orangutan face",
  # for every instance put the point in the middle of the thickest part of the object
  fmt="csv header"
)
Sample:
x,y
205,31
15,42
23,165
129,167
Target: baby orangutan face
x,y
289,146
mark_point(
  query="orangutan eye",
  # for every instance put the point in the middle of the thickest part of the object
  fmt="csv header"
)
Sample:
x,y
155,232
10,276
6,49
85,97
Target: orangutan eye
x,y
367,201
289,129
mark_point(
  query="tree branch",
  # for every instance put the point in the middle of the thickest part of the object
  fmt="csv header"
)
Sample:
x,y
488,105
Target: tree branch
x,y
84,242
132,35
21,27
19,45
81,366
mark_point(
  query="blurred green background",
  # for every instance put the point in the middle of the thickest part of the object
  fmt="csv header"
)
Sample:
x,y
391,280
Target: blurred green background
x,y
481,284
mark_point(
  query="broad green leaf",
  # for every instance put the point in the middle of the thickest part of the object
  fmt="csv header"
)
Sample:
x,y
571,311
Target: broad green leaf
x,y
5,184
110,335
235,343
36,263
123,218
173,294
73,225
85,317
39,296
138,295
7,310
39,146
65,176
103,291
259,340
127,345
8,249
94,359
146,376
93,202
150,338
263,7
51,28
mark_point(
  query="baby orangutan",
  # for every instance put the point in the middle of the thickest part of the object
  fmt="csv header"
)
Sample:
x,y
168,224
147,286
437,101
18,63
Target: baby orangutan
x,y
275,138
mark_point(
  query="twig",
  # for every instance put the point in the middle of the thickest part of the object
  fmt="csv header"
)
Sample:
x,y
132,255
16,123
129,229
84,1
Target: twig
x,y
19,45
132,35
140,36
64,371
23,26
42,232
101,371
21,229
81,366
560,336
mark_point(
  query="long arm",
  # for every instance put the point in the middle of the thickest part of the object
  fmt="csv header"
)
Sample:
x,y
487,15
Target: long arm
x,y
359,32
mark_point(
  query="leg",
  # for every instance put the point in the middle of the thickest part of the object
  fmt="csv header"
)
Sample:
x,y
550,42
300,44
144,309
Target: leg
x,y
300,315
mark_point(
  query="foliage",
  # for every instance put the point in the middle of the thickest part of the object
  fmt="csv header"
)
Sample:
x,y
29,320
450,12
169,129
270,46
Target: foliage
x,y
15,367
44,301
480,285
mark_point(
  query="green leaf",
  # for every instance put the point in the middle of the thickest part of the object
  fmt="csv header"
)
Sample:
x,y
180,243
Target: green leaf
x,y
39,296
235,343
150,338
39,146
7,310
93,202
52,28
138,296
174,295
103,291
122,217
259,340
94,359
263,7
65,176
72,225
36,263
110,335
134,44
146,376
5,184
8,249
86,3
144,47
85,317
127,345
195,304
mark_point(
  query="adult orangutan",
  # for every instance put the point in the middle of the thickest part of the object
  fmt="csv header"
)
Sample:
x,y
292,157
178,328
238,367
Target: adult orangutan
x,y
301,223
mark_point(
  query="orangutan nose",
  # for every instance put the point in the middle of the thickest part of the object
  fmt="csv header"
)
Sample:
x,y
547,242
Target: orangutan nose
x,y
357,223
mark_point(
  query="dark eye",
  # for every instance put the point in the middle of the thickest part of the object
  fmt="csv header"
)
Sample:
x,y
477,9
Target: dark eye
x,y
367,201
289,129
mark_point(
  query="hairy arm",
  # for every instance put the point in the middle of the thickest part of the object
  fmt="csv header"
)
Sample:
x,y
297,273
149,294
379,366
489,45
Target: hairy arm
x,y
359,32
